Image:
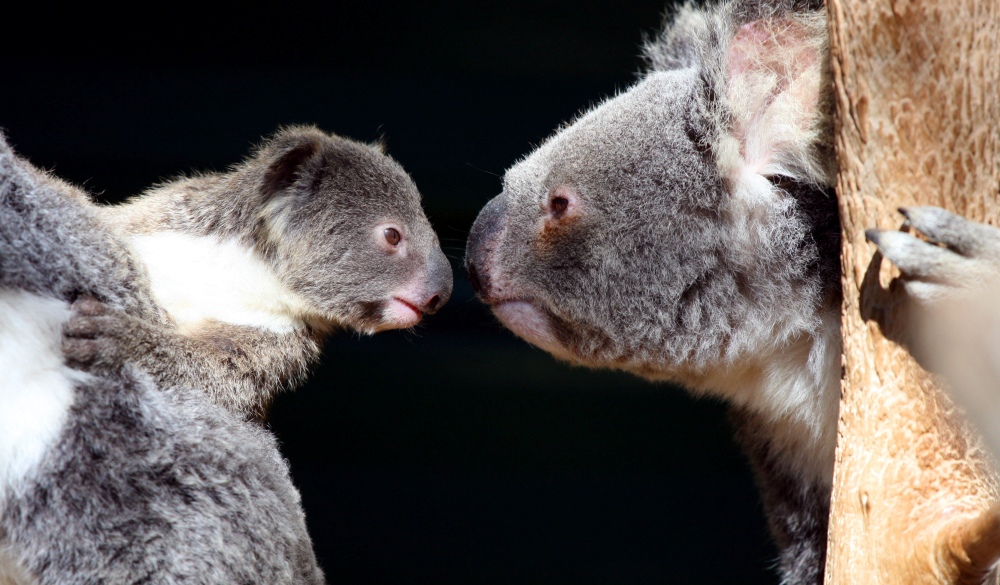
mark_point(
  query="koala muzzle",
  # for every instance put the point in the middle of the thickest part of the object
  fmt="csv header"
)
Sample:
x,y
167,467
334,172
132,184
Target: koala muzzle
x,y
483,238
439,283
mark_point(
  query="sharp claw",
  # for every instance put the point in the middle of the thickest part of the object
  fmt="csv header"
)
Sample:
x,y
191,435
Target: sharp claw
x,y
872,235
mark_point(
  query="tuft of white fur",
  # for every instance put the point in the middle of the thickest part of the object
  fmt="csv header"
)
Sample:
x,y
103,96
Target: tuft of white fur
x,y
36,388
200,278
796,388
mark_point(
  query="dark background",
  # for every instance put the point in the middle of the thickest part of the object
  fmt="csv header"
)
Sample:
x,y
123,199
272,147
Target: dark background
x,y
453,453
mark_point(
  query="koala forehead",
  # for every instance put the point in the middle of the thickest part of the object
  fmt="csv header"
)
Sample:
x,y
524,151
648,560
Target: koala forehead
x,y
352,189
641,142
365,182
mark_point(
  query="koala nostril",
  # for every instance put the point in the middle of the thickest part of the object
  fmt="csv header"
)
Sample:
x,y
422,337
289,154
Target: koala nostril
x,y
432,303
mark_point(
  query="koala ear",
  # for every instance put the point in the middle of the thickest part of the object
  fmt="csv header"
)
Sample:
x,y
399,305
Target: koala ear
x,y
292,164
681,43
773,73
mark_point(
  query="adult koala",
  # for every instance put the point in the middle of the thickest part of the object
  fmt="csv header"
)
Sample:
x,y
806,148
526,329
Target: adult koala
x,y
686,230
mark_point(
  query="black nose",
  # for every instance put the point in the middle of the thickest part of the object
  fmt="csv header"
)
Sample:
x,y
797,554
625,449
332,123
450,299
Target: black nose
x,y
439,283
482,240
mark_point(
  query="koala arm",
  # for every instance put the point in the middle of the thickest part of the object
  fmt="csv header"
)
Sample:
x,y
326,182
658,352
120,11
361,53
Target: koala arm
x,y
241,368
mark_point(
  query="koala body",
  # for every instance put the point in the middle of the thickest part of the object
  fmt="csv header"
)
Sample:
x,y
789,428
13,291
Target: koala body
x,y
105,477
687,230
248,270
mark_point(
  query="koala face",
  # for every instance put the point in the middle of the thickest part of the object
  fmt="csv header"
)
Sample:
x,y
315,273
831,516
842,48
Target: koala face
x,y
618,243
354,241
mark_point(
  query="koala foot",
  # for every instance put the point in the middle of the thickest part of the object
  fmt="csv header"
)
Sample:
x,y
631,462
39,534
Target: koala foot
x,y
92,337
957,254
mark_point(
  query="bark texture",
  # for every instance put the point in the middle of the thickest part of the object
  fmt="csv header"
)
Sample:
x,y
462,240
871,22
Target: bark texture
x,y
917,87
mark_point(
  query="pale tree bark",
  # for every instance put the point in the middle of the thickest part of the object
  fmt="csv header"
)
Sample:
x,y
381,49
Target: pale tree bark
x,y
918,124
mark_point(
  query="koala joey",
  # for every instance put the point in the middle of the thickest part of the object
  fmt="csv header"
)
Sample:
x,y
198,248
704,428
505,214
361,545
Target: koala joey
x,y
105,477
687,230
948,292
250,269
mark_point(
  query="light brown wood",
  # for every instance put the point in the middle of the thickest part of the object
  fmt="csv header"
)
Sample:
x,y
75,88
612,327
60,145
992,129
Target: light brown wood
x,y
917,87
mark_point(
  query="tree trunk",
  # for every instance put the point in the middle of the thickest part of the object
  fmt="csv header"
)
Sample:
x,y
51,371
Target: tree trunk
x,y
918,123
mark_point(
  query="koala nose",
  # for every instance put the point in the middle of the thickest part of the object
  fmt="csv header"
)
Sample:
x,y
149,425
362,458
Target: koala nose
x,y
439,284
432,304
482,239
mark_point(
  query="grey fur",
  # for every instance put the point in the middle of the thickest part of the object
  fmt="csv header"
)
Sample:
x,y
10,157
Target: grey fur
x,y
306,203
138,485
633,240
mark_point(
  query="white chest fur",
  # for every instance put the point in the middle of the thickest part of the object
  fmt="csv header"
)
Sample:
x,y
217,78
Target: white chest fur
x,y
198,279
36,389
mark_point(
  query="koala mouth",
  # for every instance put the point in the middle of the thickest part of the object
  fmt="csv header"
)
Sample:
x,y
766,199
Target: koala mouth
x,y
400,313
531,323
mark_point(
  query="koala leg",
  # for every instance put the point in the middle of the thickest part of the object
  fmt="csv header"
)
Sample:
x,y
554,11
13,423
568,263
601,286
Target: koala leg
x,y
957,254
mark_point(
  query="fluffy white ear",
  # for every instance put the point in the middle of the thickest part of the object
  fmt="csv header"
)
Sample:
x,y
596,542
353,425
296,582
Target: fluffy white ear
x,y
773,73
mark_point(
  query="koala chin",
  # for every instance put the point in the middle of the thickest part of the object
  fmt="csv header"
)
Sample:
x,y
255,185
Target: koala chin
x,y
687,230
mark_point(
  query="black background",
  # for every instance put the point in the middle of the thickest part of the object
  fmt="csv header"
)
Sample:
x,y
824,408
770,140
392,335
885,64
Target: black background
x,y
453,453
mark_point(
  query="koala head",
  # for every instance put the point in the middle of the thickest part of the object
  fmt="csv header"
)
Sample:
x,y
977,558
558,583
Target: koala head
x,y
343,225
670,231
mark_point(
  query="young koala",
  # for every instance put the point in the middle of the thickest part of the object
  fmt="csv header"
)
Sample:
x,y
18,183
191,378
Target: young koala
x,y
948,283
687,230
104,477
250,269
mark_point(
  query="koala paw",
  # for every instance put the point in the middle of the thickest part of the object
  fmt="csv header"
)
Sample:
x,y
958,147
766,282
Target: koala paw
x,y
957,254
93,336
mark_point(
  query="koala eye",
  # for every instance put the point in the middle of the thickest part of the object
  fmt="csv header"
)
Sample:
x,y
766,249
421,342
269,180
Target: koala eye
x,y
392,236
562,203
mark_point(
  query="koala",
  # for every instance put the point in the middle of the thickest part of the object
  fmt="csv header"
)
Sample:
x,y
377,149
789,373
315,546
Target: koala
x,y
104,476
246,272
947,290
686,230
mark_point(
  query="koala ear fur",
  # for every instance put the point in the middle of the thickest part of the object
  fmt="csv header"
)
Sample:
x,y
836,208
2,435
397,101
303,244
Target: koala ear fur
x,y
289,166
773,75
680,44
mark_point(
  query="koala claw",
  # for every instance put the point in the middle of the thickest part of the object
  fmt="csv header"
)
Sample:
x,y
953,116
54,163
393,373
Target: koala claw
x,y
965,237
957,254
